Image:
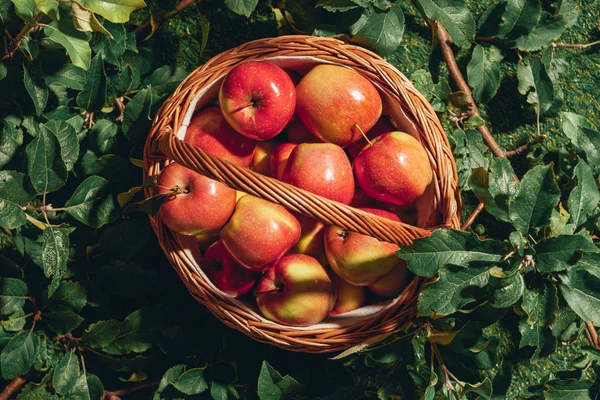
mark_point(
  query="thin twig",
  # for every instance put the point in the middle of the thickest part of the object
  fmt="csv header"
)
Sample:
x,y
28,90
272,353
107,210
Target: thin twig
x,y
121,108
109,395
472,217
19,38
447,381
182,5
12,387
576,45
592,335
524,147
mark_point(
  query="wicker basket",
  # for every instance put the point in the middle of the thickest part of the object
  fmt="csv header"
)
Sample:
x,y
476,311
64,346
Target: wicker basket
x,y
405,106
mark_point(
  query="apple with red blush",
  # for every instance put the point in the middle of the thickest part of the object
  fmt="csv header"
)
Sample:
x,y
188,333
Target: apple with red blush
x,y
279,159
225,273
261,161
393,283
348,297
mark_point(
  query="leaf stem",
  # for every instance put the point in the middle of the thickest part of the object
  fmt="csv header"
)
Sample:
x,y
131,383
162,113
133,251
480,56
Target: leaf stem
x,y
19,38
12,387
114,395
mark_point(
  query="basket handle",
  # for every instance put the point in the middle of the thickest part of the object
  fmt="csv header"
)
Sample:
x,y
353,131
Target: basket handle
x,y
289,196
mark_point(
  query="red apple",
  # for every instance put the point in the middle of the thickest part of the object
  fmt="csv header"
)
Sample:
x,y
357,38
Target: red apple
x,y
394,169
209,131
321,168
261,162
225,273
258,99
311,240
279,159
296,291
360,259
298,133
393,283
259,233
382,126
202,205
333,100
348,297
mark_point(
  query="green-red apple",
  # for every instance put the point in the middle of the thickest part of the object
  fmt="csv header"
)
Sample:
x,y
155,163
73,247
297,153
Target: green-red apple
x,y
261,162
394,169
209,131
200,205
312,237
296,291
279,159
393,283
360,259
321,168
348,297
336,102
259,233
225,273
258,99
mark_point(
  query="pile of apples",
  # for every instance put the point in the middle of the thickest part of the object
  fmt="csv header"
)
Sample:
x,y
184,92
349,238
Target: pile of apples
x,y
322,132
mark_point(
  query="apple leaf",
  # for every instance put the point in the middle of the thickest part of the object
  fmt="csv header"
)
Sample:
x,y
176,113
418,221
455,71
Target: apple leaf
x,y
25,9
74,41
62,322
380,29
49,7
584,198
91,204
337,5
571,389
455,16
447,246
169,377
55,252
34,83
273,386
85,20
540,302
483,72
583,136
560,253
506,291
101,333
537,196
12,295
220,391
67,138
569,10
581,290
69,76
543,34
11,141
46,167
113,10
535,83
456,287
93,96
520,18
242,7
191,382
15,191
69,295
112,48
66,373
18,355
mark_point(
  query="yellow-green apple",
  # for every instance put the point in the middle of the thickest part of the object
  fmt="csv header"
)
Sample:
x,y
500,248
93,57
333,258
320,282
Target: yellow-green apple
x,y
261,162
298,133
209,131
393,283
394,169
312,237
258,99
321,168
198,204
225,273
296,291
382,126
336,103
279,158
259,233
348,297
360,259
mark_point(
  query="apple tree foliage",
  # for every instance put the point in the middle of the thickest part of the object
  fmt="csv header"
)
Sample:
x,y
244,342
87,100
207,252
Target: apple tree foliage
x,y
90,309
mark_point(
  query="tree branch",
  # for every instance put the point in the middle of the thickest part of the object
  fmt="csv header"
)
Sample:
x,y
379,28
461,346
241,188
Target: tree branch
x,y
472,217
182,5
524,147
12,387
576,45
19,38
108,395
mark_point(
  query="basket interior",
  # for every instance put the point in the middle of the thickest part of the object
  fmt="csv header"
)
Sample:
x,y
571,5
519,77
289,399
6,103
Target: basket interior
x,y
391,108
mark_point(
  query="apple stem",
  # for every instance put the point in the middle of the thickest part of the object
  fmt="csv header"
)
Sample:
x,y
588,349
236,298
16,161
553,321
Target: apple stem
x,y
276,290
364,135
243,106
177,190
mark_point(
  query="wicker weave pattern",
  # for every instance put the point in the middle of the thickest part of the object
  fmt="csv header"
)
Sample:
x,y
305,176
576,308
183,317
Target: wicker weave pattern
x,y
162,145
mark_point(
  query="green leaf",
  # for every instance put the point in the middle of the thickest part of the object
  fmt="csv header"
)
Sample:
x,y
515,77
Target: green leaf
x,y
69,76
581,290
93,96
471,153
91,205
191,382
381,29
568,390
14,323
35,86
84,20
11,141
101,333
66,373
71,294
337,5
3,71
25,9
75,42
112,48
520,17
242,7
507,291
535,83
117,11
569,11
564,327
137,118
12,295
537,196
37,391
584,198
81,390
272,386
63,322
583,136
18,355
46,167
67,138
138,330
55,252
103,135
447,246
483,388
220,391
559,253
540,302
455,16
483,72
165,80
49,7
543,34
559,223
169,377
15,191
456,287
